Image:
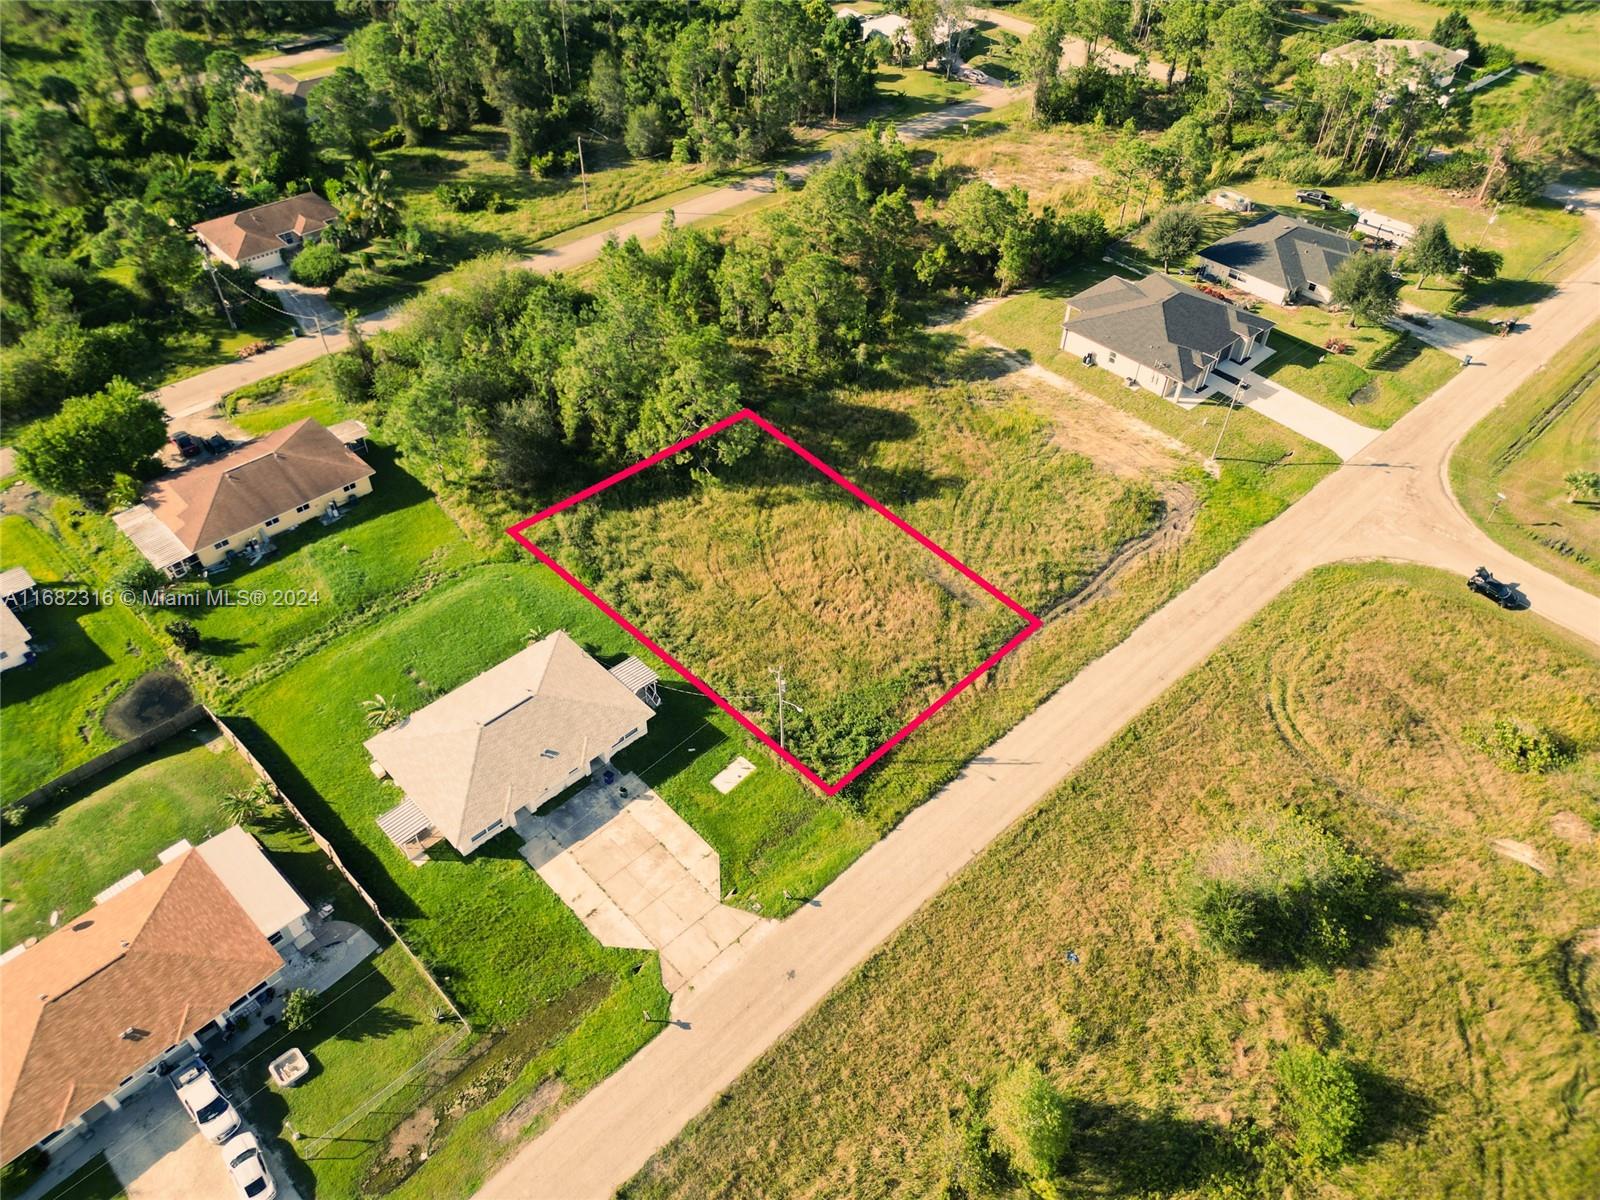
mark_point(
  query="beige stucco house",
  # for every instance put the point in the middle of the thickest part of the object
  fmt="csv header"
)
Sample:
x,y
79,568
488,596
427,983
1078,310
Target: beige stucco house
x,y
1279,259
499,746
197,516
267,236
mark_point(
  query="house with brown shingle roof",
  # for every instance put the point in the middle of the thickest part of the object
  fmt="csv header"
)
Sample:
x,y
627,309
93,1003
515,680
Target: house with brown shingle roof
x,y
502,744
197,516
267,236
92,1013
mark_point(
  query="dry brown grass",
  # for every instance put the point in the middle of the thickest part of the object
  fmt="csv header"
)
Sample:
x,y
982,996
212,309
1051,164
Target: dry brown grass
x,y
1470,1007
775,565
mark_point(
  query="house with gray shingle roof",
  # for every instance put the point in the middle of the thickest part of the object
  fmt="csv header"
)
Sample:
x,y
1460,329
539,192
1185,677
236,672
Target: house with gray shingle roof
x,y
1159,333
1282,260
502,744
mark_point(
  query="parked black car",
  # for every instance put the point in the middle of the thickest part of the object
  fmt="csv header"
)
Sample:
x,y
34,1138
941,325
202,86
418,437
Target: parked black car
x,y
1503,594
188,445
1316,196
218,444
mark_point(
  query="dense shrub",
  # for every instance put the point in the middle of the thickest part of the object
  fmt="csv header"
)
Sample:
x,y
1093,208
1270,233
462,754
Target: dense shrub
x,y
82,449
299,1009
1284,891
61,359
1321,1102
1031,1125
1521,746
469,197
319,265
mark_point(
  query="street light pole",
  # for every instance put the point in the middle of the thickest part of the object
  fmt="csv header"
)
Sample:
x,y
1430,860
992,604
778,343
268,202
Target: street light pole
x,y
583,174
777,673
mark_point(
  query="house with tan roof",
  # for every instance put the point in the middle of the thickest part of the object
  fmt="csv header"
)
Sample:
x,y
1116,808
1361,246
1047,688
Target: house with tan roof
x,y
479,758
1160,334
197,517
267,236
102,1007
1389,54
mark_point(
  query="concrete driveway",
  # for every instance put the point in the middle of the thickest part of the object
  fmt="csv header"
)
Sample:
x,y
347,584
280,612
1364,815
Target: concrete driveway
x,y
156,1152
639,876
1304,416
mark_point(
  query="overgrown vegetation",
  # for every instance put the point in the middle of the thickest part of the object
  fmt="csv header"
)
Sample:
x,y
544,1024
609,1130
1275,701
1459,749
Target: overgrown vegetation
x,y
1192,1073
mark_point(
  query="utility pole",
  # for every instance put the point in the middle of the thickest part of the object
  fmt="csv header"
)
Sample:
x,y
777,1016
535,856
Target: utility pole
x,y
211,270
777,673
1232,401
583,174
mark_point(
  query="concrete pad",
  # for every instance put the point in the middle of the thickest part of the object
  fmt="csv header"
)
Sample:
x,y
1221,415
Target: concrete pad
x,y
689,900
662,923
726,925
657,869
690,952
159,1154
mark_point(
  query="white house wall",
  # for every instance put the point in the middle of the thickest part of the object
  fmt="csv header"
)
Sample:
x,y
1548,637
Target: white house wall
x,y
1120,365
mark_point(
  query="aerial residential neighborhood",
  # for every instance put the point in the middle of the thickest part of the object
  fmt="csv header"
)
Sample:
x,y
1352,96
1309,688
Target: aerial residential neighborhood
x,y
768,598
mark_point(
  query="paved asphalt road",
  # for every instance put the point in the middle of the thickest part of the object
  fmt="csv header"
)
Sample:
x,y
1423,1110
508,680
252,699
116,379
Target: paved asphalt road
x,y
1392,500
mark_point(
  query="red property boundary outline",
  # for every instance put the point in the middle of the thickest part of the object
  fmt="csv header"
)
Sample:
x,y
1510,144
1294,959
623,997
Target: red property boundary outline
x,y
1031,623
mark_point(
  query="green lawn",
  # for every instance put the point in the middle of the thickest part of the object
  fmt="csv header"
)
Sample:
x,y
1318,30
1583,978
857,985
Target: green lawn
x,y
87,655
1546,428
95,1180
1383,375
324,578
260,408
85,840
1563,43
1348,700
371,1029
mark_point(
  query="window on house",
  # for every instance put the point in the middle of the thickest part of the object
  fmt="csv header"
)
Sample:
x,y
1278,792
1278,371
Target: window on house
x,y
222,545
625,736
275,938
1112,357
483,833
349,487
273,521
303,508
547,753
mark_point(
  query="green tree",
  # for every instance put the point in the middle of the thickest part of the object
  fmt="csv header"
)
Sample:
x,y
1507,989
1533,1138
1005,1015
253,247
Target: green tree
x,y
269,138
181,60
299,1009
1365,285
1431,251
164,263
49,158
697,386
343,113
1039,59
1455,32
1244,46
1583,487
318,265
1174,233
1182,34
1031,1125
647,134
1321,1102
81,450
185,635
368,198
821,313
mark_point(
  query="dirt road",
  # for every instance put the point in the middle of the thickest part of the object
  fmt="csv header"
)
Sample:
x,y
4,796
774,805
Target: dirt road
x,y
1390,501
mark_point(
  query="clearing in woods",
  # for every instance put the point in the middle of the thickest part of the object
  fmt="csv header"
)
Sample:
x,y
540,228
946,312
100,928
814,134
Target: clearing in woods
x,y
793,578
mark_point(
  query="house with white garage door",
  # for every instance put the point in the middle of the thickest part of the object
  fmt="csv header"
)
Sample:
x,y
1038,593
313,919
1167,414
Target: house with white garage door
x,y
1280,259
268,235
1159,333
480,758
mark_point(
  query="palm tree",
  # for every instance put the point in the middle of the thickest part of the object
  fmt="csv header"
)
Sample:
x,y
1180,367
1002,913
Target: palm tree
x,y
247,805
369,198
381,713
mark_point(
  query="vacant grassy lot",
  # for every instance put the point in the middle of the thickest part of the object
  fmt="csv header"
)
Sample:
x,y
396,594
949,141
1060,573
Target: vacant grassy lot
x,y
1382,377
323,578
1348,700
1564,43
1522,450
284,399
88,653
85,840
778,566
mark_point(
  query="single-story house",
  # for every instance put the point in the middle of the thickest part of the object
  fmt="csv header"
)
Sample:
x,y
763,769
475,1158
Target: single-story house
x,y
16,643
1163,335
109,1002
198,516
506,742
18,589
267,236
1280,259
1441,62
286,84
